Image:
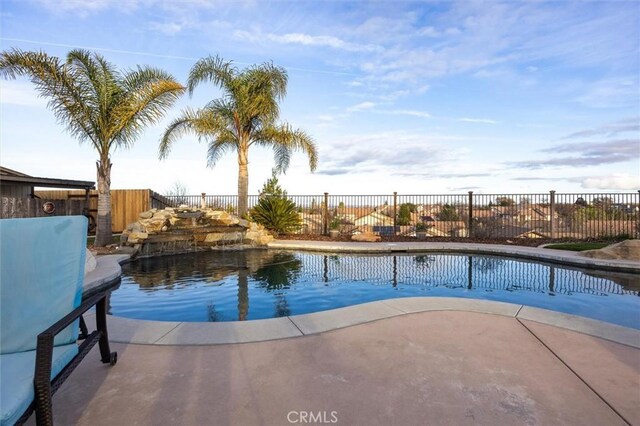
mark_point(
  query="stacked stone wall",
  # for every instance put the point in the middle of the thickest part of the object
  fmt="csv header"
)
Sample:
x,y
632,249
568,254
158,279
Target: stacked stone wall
x,y
185,229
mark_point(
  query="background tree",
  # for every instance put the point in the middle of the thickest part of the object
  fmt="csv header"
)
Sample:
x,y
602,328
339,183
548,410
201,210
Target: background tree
x,y
274,210
98,104
272,188
449,213
404,214
505,201
245,116
179,191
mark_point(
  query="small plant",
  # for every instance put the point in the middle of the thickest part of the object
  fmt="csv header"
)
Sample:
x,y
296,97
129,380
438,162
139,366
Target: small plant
x,y
278,215
334,224
274,210
421,227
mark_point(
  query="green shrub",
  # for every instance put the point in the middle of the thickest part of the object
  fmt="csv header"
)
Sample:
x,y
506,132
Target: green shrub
x,y
404,214
449,213
421,227
581,246
278,215
275,211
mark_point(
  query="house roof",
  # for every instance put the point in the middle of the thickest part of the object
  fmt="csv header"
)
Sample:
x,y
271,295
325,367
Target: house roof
x,y
9,176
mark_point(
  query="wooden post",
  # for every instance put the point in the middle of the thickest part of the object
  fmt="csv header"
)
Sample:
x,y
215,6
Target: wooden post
x,y
395,212
552,210
470,220
325,214
203,201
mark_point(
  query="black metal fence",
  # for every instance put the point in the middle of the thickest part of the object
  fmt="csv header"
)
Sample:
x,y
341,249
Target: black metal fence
x,y
480,216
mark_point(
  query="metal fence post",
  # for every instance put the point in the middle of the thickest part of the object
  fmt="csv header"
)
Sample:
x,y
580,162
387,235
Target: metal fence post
x,y
395,212
637,233
552,213
203,201
325,214
470,220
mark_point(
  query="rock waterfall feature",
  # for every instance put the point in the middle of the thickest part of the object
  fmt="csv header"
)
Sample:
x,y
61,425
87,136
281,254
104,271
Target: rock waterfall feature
x,y
184,229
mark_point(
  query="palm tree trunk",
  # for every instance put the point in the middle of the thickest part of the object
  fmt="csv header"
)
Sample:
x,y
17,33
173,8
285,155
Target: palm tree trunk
x,y
103,230
243,294
243,182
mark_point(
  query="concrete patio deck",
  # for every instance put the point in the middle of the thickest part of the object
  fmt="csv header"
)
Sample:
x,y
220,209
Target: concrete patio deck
x,y
401,361
437,367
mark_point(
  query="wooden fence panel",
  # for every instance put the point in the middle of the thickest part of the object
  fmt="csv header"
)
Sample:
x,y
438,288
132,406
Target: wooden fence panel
x,y
126,204
32,207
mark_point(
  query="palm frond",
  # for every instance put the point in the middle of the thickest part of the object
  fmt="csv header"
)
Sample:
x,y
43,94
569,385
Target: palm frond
x,y
147,93
53,81
223,143
201,123
213,69
284,140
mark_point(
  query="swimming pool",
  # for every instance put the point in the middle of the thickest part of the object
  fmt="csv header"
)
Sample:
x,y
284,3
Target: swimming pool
x,y
259,284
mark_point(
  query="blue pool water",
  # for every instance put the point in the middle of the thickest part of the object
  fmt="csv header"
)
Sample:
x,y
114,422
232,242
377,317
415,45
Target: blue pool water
x,y
257,284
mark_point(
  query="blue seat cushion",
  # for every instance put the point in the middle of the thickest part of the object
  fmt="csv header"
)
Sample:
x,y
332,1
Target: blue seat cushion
x,y
17,371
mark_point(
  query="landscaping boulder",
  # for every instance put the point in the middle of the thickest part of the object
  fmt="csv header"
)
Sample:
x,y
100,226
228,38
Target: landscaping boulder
x,y
625,250
366,237
184,229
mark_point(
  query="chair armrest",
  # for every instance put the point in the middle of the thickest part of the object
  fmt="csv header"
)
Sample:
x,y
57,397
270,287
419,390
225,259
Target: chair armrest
x,y
44,348
44,358
71,316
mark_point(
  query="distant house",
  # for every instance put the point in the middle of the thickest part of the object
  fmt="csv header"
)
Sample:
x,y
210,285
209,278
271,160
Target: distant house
x,y
385,230
448,228
20,185
19,199
374,218
441,228
311,223
510,231
484,213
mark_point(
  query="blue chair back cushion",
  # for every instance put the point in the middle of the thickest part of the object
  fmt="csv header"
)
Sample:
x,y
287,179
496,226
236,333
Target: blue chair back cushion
x,y
41,275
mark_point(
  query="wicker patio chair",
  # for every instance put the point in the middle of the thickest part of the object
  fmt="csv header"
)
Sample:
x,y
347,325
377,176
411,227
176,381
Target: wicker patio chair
x,y
41,275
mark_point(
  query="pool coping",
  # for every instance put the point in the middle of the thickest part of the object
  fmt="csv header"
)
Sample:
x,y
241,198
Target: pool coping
x,y
563,257
145,332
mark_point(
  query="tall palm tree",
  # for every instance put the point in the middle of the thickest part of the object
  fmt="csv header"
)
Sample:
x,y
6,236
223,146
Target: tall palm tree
x,y
245,116
98,104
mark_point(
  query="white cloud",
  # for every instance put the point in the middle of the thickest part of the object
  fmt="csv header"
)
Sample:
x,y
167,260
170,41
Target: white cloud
x,y
410,112
610,93
478,120
168,28
305,40
429,32
326,118
361,106
84,8
20,93
612,182
611,129
409,154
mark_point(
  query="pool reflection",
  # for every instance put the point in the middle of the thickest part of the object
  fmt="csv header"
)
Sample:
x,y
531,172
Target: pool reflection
x,y
241,285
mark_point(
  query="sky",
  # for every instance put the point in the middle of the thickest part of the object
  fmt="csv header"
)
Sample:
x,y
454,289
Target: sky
x,y
416,97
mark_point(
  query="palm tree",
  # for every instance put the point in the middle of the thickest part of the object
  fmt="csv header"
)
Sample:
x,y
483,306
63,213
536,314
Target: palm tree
x,y
245,116
98,104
